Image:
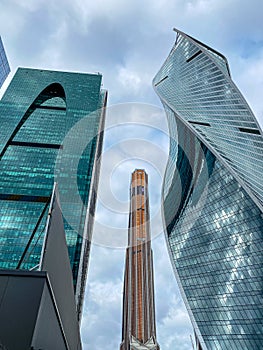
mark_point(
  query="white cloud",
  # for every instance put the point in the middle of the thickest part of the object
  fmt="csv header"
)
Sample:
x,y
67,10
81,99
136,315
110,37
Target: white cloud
x,y
135,137
101,323
28,5
129,80
108,292
250,81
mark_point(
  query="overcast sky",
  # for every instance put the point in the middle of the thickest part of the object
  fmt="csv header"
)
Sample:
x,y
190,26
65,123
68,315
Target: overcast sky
x,y
127,41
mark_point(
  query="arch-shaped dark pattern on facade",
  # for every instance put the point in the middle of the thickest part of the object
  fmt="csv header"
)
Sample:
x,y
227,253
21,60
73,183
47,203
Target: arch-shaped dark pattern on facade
x,y
38,110
51,91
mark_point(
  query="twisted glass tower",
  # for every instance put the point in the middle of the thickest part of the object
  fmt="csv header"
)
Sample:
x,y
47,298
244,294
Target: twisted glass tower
x,y
213,196
37,111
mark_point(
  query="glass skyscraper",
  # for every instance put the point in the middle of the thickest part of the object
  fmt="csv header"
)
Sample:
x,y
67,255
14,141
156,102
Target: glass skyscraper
x,y
138,321
4,66
37,111
213,196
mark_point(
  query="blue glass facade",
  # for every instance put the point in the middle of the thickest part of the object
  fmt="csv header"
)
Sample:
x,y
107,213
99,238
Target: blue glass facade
x,y
4,66
37,111
213,198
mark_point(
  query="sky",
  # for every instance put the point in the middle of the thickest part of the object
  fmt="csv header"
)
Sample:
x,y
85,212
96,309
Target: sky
x,y
127,41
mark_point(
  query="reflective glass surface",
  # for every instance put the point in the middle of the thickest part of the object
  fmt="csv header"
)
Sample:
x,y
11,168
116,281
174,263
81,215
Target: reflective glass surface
x,y
195,82
37,111
212,203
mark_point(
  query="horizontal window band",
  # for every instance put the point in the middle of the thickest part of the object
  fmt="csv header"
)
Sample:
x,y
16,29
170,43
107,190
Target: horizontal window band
x,y
159,82
136,251
250,131
199,123
23,198
35,144
194,56
56,108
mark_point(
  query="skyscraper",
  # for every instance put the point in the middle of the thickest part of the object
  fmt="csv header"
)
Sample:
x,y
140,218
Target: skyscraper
x,y
213,196
37,111
4,66
138,327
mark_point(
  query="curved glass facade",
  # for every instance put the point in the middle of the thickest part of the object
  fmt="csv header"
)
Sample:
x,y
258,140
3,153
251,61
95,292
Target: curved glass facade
x,y
37,111
213,196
